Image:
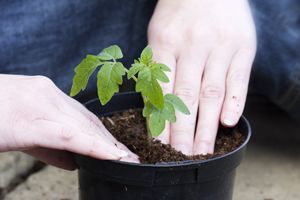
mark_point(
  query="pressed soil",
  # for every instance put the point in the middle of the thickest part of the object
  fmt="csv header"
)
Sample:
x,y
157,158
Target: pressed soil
x,y
129,127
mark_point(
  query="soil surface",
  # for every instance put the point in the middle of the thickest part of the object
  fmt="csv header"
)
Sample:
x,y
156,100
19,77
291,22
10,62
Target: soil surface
x,y
129,127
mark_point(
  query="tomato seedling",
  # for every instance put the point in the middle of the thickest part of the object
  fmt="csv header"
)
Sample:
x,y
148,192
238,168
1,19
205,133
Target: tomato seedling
x,y
158,108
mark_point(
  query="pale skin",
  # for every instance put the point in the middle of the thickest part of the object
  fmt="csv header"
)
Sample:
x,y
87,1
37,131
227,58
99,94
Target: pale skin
x,y
208,44
39,119
210,47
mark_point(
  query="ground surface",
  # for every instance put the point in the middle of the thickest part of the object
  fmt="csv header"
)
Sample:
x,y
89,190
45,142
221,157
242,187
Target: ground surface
x,y
270,171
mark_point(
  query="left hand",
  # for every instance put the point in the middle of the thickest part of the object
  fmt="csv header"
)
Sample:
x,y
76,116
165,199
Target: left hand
x,y
210,47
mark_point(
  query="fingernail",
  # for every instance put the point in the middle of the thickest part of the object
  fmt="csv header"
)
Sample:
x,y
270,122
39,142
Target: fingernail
x,y
228,122
128,159
229,119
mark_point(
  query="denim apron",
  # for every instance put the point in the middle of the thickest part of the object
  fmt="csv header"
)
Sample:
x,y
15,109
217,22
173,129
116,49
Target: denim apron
x,y
43,37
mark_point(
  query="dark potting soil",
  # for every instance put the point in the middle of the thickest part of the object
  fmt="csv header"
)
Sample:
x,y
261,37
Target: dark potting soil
x,y
129,127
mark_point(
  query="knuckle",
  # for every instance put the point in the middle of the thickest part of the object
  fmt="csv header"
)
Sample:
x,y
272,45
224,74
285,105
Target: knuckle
x,y
237,76
238,82
192,34
207,38
231,38
225,36
43,82
167,38
200,34
66,134
212,92
187,94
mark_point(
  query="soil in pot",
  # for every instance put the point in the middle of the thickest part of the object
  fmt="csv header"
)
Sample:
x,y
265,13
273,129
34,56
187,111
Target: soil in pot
x,y
129,127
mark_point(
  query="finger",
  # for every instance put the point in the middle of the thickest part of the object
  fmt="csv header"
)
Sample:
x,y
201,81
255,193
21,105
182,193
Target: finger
x,y
87,126
237,87
211,99
90,121
129,159
70,137
168,58
61,159
187,86
77,109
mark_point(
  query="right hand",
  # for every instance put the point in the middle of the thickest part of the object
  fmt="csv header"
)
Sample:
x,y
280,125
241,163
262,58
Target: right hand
x,y
39,119
210,47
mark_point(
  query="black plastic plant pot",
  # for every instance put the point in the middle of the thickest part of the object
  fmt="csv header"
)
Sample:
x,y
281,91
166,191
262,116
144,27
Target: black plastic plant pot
x,y
211,179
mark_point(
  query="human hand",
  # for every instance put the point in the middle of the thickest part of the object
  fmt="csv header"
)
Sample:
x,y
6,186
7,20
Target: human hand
x,y
210,46
39,119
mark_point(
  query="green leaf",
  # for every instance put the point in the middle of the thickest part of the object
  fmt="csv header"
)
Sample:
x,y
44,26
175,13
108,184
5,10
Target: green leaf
x,y
163,67
156,123
146,55
157,118
134,69
148,108
110,53
168,112
109,79
155,94
150,88
177,102
145,74
104,56
83,71
159,75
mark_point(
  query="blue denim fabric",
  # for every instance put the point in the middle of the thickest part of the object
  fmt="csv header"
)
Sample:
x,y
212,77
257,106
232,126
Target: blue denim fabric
x,y
50,37
44,37
276,70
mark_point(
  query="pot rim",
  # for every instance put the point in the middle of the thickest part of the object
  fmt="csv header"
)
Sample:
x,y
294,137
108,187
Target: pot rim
x,y
186,162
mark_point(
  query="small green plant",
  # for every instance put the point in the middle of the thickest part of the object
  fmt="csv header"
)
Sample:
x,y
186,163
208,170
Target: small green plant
x,y
147,73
